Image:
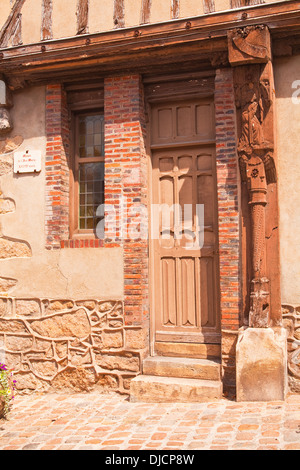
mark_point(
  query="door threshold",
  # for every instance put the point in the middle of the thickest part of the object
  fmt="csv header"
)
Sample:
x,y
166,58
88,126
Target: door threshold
x,y
193,350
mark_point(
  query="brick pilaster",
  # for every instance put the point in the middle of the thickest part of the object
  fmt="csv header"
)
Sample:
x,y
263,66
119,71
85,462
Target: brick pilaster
x,y
126,189
229,220
57,170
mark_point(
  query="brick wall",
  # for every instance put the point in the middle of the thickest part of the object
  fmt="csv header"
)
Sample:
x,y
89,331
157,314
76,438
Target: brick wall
x,y
57,169
125,184
126,188
229,220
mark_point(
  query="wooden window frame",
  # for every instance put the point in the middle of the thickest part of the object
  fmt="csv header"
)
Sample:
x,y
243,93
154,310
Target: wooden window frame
x,y
75,231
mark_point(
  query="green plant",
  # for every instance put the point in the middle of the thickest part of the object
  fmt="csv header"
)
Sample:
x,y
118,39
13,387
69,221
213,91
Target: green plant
x,y
7,388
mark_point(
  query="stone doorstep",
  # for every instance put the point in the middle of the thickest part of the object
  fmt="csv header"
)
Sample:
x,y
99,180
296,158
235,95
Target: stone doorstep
x,y
204,369
151,389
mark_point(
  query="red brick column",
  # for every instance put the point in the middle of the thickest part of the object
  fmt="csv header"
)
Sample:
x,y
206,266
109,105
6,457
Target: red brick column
x,y
57,170
126,189
229,220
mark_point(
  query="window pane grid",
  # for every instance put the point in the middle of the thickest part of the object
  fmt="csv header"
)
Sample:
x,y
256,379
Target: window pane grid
x,y
90,174
91,136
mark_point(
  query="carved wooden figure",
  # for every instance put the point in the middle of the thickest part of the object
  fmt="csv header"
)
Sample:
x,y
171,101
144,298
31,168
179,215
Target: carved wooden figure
x,y
253,93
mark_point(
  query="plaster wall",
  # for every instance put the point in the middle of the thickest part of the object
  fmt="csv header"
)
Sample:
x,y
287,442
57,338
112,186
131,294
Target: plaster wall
x,y
67,273
103,20
31,23
64,18
4,11
287,72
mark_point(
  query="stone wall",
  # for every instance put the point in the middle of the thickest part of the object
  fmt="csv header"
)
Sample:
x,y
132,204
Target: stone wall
x,y
69,345
291,321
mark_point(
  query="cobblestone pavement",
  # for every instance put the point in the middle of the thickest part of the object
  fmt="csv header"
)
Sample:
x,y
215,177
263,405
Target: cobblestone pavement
x,y
110,422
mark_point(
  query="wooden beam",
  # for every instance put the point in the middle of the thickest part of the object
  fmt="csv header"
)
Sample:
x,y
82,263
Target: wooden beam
x,y
245,3
171,42
46,29
209,6
119,14
82,16
145,12
12,27
175,9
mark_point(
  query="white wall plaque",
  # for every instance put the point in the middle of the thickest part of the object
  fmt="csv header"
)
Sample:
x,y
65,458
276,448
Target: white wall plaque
x,y
28,161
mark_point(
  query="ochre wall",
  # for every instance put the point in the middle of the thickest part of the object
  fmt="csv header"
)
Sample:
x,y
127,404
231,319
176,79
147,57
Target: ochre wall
x,y
287,82
287,71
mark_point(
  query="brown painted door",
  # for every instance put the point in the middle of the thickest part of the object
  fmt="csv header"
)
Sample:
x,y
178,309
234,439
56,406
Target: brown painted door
x,y
184,224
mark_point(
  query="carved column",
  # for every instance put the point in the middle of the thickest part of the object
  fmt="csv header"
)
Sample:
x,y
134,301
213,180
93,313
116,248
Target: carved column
x,y
5,105
261,359
250,55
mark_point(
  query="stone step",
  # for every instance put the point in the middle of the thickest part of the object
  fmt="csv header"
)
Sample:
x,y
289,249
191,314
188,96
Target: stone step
x,y
193,350
204,369
155,389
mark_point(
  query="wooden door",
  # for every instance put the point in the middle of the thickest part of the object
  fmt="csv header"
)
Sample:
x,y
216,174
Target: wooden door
x,y
185,302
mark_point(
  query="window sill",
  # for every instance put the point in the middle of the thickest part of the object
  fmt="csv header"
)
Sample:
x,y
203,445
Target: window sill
x,y
82,243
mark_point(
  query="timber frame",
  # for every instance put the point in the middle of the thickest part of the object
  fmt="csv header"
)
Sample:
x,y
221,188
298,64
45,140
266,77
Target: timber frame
x,y
185,43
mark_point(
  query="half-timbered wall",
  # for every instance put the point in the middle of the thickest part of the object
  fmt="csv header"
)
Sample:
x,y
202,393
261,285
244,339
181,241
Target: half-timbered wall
x,y
31,21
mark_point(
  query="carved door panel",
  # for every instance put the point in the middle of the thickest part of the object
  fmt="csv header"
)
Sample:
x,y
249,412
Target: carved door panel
x,y
185,245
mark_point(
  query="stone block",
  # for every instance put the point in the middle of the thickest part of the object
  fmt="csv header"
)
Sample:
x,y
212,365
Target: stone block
x,y
112,339
129,362
136,339
89,304
6,284
181,367
77,379
45,369
18,343
261,364
154,389
14,249
5,307
58,305
7,205
28,308
10,144
5,121
74,324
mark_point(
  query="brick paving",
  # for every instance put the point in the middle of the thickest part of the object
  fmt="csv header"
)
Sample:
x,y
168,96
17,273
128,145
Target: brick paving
x,y
98,421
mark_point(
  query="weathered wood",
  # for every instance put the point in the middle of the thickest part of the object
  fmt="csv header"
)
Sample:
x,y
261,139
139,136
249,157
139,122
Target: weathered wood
x,y
16,34
46,29
167,44
145,12
82,16
209,6
245,3
175,9
119,14
12,27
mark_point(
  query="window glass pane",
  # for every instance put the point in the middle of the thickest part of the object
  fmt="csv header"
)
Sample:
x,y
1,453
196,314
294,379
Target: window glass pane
x,y
89,223
89,125
91,193
97,151
89,152
82,152
91,136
